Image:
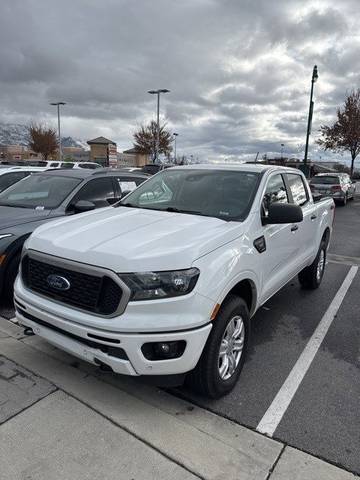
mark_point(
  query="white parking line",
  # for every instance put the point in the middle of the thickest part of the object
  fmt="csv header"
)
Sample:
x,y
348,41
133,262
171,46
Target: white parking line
x,y
281,402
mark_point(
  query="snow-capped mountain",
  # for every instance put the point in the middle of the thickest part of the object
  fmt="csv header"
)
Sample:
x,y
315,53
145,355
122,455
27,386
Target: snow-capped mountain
x,y
17,134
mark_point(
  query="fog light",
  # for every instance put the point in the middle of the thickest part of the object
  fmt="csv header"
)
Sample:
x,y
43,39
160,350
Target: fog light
x,y
163,350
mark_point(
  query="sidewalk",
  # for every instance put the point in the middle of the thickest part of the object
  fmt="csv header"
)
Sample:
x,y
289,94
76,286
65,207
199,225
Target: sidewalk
x,y
61,418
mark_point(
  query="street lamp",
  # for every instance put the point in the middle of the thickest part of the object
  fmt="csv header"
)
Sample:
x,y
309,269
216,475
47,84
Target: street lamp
x,y
175,135
57,104
314,77
158,92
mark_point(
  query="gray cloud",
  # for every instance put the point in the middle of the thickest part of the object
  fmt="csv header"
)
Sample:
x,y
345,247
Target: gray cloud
x,y
238,70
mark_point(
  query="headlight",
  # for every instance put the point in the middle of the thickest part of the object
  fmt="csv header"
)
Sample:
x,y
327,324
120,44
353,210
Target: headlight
x,y
5,235
153,285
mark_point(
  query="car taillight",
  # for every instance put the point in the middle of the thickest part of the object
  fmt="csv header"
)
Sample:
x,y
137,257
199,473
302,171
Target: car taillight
x,y
336,188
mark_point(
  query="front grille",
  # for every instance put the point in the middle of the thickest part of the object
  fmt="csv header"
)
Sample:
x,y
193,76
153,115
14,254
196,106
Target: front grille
x,y
96,294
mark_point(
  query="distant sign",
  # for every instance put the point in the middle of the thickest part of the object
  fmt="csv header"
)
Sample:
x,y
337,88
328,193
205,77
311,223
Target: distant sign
x,y
112,155
112,161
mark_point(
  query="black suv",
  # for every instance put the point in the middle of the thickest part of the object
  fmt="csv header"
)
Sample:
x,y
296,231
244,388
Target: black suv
x,y
44,196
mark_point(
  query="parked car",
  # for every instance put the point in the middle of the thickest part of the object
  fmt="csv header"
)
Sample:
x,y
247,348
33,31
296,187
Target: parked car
x,y
153,168
165,282
10,175
53,164
42,197
89,165
336,185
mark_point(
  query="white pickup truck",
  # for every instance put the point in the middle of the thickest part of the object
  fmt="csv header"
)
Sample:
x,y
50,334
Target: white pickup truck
x,y
166,281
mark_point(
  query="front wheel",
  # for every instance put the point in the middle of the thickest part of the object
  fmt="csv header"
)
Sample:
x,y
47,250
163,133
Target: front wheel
x,y
310,277
223,357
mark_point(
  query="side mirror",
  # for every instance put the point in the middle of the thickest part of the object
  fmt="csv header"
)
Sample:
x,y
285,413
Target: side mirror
x,y
283,213
83,206
316,197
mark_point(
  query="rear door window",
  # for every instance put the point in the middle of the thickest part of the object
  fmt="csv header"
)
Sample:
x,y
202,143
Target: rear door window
x,y
298,190
128,184
325,180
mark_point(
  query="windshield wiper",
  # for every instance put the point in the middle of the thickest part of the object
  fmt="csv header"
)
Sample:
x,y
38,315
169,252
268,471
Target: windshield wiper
x,y
14,205
127,204
179,210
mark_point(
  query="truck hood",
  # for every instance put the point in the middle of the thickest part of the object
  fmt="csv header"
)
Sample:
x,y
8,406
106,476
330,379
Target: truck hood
x,y
14,216
133,240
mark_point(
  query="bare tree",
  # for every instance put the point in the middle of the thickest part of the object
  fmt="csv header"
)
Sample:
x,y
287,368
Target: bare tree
x,y
42,139
344,134
145,140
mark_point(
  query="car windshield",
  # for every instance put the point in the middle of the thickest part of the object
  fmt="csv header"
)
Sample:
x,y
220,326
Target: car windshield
x,y
39,191
224,194
326,180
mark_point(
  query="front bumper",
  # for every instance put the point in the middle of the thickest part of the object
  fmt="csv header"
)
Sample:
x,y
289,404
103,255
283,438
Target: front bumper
x,y
93,344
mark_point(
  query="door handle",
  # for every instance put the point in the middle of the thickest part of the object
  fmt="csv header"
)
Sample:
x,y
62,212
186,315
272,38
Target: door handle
x,y
294,228
313,217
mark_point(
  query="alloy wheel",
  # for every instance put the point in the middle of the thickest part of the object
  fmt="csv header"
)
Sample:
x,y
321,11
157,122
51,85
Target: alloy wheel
x,y
231,347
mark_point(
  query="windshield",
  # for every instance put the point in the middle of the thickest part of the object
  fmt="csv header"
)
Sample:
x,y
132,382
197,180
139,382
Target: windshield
x,y
326,180
39,191
223,194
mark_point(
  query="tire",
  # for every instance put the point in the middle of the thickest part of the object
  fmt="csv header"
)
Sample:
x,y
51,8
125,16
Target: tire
x,y
311,277
206,378
10,276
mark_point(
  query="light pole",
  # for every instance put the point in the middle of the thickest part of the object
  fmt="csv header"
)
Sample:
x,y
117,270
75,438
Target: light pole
x,y
314,77
175,136
57,104
282,150
158,92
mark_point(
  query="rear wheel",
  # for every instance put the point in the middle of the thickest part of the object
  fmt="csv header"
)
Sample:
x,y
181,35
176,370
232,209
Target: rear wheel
x,y
223,357
311,276
10,276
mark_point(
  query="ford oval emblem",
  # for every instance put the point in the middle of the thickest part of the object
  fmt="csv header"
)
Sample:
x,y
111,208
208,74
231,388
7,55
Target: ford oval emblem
x,y
58,283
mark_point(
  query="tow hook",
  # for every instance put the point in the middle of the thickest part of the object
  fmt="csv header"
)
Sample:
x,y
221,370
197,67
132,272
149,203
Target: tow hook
x,y
102,366
28,331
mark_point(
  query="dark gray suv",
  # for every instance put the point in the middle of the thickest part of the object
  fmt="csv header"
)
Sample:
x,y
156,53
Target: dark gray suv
x,y
339,186
42,197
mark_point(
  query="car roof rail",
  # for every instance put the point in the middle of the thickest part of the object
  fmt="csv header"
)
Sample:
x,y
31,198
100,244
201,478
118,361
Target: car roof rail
x,y
98,171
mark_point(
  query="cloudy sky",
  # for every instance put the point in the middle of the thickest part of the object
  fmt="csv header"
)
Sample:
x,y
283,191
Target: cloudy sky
x,y
239,70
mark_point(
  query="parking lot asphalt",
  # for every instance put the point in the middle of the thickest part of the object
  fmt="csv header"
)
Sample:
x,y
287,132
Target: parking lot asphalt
x,y
322,417
345,240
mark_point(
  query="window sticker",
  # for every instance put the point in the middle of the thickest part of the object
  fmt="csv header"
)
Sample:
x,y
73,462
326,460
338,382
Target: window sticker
x,y
127,186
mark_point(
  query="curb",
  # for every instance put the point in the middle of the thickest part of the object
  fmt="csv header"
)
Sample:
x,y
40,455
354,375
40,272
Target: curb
x,y
205,444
